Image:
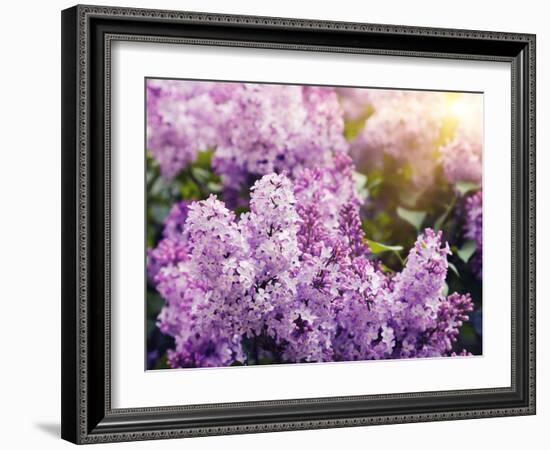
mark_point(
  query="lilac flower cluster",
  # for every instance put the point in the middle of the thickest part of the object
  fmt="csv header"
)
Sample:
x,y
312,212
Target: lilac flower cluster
x,y
293,280
409,126
473,229
461,159
404,124
461,156
170,249
182,120
255,129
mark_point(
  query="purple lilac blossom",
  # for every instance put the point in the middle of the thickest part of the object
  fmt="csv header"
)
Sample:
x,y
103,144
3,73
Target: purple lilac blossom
x,y
202,292
327,189
474,230
168,252
172,247
254,129
174,221
295,276
275,128
425,322
461,157
182,120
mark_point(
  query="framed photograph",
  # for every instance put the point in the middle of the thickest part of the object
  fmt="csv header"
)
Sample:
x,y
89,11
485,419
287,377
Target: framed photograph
x,y
279,224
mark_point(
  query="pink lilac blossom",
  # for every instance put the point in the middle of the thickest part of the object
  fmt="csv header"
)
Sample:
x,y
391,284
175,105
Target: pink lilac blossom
x,y
302,287
355,102
405,125
474,230
255,129
461,157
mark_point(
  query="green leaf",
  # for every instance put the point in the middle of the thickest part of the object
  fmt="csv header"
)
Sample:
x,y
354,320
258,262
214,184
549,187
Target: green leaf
x,y
154,303
200,174
439,222
214,187
467,250
467,334
383,219
158,186
360,180
151,325
443,217
354,126
378,247
241,210
409,197
406,171
445,290
159,212
204,159
415,218
466,186
454,269
375,178
162,362
266,360
190,190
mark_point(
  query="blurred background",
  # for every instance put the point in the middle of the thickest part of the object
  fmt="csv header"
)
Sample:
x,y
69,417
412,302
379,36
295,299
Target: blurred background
x,y
418,162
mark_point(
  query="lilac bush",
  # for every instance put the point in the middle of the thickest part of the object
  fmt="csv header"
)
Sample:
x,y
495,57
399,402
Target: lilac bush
x,y
255,129
298,287
270,200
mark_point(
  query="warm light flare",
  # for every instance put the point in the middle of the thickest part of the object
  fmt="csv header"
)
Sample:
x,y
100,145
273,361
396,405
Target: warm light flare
x,y
459,108
466,110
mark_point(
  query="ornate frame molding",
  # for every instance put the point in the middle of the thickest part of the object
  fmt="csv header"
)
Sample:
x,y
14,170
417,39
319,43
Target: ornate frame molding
x,y
84,421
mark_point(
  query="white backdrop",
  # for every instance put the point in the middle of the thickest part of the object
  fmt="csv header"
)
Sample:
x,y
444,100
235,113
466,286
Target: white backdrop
x,y
134,387
30,223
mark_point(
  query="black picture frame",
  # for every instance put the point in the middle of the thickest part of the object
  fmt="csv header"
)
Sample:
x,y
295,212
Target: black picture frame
x,y
87,33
